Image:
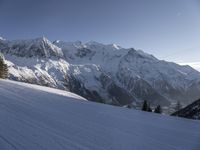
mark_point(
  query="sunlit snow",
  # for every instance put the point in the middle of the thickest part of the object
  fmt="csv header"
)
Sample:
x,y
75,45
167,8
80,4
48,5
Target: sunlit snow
x,y
37,118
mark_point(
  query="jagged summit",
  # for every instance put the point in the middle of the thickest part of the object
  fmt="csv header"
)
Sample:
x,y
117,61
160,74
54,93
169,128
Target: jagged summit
x,y
41,39
115,46
38,47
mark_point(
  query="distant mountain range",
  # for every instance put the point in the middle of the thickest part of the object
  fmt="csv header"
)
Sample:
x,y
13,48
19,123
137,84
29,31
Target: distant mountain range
x,y
102,73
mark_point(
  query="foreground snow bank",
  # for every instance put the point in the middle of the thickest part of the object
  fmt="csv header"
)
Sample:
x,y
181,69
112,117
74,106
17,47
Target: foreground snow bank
x,y
38,118
20,87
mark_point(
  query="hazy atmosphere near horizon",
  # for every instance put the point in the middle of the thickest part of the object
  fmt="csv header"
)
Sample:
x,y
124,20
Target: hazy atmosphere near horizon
x,y
168,29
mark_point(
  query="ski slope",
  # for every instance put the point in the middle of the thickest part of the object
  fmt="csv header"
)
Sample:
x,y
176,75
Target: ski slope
x,y
40,118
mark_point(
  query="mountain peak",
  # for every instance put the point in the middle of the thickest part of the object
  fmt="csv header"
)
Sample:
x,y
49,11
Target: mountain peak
x,y
93,43
1,38
40,46
43,39
115,46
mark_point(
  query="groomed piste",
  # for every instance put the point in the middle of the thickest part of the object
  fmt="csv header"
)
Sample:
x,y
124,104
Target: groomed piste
x,y
33,117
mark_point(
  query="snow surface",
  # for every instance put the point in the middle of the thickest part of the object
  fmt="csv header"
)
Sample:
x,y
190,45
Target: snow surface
x,y
40,118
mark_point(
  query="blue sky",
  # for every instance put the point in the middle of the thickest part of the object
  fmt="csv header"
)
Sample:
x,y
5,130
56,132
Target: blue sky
x,y
169,29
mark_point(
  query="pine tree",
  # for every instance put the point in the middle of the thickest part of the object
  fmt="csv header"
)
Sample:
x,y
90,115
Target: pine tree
x,y
158,109
3,68
178,106
145,106
149,108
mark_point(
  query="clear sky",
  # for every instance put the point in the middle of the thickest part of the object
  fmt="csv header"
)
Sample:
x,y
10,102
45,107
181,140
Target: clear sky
x,y
169,29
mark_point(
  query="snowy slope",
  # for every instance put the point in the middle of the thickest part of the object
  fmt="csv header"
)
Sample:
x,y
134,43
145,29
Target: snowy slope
x,y
21,87
102,73
36,118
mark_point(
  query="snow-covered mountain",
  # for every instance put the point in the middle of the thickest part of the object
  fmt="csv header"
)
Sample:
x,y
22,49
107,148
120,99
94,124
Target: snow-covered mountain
x,y
191,111
103,73
39,47
37,118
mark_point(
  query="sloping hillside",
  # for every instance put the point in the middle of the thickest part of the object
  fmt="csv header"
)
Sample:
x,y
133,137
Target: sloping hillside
x,y
38,118
191,111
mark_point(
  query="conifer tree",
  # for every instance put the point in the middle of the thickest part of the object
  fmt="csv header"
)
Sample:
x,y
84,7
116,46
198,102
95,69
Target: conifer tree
x,y
178,106
145,106
149,108
158,109
3,68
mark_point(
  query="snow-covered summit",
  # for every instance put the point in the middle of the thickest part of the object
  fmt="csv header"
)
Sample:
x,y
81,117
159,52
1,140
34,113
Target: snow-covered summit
x,y
1,38
115,46
39,47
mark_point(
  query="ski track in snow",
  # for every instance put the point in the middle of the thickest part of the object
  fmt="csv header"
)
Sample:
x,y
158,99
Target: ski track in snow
x,y
40,118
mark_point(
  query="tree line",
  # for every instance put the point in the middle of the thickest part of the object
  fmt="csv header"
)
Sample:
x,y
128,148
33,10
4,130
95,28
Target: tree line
x,y
146,107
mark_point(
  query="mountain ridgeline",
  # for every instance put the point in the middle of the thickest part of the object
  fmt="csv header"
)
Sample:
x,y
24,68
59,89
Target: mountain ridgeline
x,y
191,111
102,73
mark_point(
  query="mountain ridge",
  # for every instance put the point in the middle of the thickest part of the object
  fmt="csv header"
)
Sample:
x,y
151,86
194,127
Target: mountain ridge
x,y
103,73
192,111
